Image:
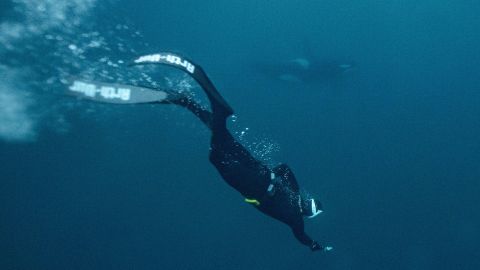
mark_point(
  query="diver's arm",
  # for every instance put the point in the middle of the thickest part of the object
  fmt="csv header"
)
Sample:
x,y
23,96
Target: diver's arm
x,y
305,239
301,236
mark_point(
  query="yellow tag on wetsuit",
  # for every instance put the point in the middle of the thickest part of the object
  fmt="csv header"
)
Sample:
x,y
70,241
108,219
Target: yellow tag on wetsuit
x,y
252,201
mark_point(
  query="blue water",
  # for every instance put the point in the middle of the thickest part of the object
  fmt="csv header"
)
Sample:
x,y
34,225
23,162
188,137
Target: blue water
x,y
392,149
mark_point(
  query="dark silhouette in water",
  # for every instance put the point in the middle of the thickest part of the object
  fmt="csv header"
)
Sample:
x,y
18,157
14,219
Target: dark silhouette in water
x,y
274,192
306,70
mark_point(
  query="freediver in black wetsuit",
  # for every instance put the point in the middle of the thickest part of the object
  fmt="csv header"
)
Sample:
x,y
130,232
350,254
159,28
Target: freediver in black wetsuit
x,y
274,192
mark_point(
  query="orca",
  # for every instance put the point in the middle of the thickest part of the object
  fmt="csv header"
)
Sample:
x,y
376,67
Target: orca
x,y
305,70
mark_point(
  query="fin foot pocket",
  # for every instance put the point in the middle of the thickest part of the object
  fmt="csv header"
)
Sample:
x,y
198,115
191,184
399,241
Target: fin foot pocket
x,y
188,66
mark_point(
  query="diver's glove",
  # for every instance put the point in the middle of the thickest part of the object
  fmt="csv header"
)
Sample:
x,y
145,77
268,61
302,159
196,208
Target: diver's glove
x,y
316,246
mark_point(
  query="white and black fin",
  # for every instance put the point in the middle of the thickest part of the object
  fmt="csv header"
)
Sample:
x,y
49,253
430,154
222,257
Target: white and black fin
x,y
115,93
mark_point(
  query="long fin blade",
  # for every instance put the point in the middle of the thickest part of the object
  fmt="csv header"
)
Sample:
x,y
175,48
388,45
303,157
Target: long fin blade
x,y
114,93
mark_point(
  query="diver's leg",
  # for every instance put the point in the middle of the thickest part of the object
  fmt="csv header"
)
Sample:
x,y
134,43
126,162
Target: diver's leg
x,y
219,120
220,112
187,102
215,120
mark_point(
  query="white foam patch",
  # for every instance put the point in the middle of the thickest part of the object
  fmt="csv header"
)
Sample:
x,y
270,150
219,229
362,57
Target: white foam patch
x,y
34,21
16,122
56,40
40,16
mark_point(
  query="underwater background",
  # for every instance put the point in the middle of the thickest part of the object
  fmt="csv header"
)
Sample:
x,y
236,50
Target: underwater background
x,y
391,149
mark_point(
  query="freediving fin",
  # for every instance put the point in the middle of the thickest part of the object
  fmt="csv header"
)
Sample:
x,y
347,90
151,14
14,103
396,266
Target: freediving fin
x,y
188,66
115,93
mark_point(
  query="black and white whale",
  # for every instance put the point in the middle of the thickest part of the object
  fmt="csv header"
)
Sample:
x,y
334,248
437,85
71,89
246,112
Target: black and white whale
x,y
305,70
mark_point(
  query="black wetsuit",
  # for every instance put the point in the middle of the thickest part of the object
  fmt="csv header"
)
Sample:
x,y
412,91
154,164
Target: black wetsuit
x,y
249,176
235,164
